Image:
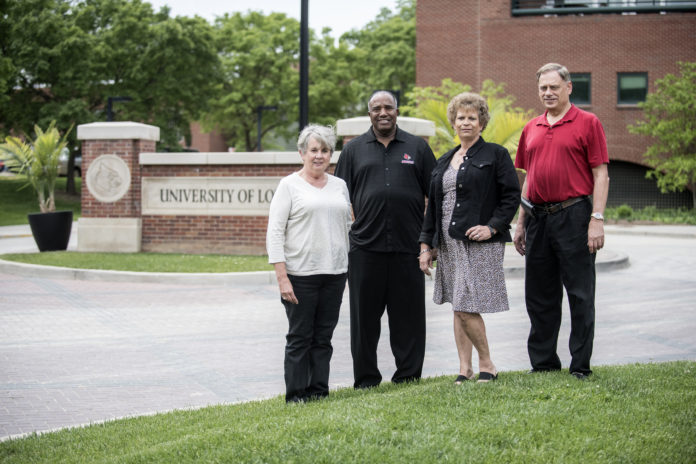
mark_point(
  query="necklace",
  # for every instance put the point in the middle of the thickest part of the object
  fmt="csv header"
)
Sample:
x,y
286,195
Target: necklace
x,y
459,158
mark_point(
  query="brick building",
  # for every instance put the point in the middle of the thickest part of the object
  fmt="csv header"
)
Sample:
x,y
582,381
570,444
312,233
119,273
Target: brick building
x,y
614,49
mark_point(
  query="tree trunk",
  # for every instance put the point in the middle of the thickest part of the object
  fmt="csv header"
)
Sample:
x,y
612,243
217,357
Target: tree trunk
x,y
70,175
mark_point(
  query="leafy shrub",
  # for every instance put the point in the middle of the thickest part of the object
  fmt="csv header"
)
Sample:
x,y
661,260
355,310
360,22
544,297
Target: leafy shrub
x,y
653,214
624,212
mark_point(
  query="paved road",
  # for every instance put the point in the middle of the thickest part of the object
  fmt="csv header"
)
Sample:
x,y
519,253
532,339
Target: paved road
x,y
74,352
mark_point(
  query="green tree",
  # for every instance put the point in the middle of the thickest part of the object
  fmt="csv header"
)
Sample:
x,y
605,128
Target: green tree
x,y
670,119
45,68
384,53
504,127
259,56
168,66
60,60
46,64
333,91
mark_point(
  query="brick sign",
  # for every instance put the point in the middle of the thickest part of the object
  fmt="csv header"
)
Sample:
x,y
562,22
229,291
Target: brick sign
x,y
184,202
207,196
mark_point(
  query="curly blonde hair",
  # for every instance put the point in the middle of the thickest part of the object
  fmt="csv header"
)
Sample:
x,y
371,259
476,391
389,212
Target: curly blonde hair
x,y
469,101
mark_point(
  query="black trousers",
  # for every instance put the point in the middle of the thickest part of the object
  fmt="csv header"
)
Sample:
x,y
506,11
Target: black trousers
x,y
393,281
557,256
311,323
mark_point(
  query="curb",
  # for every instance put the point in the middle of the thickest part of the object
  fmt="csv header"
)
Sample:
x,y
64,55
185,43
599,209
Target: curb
x,y
607,261
514,268
97,275
626,230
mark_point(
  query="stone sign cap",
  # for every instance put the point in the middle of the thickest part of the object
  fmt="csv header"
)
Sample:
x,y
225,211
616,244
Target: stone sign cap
x,y
225,158
358,125
125,130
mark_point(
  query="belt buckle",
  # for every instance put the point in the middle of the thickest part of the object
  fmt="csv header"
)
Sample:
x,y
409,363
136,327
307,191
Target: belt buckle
x,y
556,207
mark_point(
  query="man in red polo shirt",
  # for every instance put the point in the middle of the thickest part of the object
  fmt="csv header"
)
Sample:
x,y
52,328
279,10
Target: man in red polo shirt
x,y
564,152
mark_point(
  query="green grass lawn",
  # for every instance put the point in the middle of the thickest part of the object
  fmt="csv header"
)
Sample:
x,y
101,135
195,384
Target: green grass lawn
x,y
643,413
144,262
16,202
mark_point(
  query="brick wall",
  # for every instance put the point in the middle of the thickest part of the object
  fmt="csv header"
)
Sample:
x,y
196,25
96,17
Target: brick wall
x,y
205,234
203,141
473,40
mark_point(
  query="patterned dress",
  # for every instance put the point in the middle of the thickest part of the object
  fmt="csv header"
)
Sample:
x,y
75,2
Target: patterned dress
x,y
469,274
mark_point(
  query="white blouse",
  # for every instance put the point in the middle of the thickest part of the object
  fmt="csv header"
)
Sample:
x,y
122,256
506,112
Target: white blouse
x,y
308,226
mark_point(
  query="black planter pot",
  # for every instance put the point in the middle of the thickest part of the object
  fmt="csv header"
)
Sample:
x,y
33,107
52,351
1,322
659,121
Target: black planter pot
x,y
51,230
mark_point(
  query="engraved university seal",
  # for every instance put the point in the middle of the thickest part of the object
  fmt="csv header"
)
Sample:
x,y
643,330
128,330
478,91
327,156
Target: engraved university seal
x,y
108,178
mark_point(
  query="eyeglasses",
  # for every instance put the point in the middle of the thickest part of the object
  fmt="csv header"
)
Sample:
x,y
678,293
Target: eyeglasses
x,y
378,109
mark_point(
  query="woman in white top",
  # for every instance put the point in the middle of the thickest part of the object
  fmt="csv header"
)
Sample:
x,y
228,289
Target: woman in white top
x,y
307,243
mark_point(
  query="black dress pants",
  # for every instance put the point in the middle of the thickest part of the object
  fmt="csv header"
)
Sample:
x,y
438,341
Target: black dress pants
x,y
393,281
311,323
557,256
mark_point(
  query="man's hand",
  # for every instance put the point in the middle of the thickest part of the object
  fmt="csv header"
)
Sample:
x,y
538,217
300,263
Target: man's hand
x,y
519,239
595,235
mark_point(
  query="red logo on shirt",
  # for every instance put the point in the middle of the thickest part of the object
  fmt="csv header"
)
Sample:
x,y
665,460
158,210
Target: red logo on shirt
x,y
407,159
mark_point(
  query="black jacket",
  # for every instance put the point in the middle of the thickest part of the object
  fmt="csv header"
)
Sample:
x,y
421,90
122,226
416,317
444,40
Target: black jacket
x,y
488,193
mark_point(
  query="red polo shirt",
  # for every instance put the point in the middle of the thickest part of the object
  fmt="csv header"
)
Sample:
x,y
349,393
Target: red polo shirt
x,y
559,158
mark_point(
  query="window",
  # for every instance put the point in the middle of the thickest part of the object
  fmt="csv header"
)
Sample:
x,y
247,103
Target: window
x,y
562,7
632,88
582,86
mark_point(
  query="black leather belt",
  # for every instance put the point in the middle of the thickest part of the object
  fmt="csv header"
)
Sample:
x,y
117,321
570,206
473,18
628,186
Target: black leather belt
x,y
553,208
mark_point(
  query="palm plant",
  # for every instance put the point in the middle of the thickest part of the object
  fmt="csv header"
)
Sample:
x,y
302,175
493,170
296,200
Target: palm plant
x,y
37,159
504,127
445,137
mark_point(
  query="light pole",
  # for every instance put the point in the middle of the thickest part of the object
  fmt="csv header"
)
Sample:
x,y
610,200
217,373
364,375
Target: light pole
x,y
109,104
304,64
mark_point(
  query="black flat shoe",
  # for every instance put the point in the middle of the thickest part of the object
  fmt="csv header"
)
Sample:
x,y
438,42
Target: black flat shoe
x,y
461,379
486,377
580,375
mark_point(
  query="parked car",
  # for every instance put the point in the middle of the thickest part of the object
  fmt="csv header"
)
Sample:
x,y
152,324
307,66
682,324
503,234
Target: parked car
x,y
63,163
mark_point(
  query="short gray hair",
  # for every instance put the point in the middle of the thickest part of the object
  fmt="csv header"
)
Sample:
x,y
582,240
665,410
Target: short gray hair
x,y
382,92
325,135
559,68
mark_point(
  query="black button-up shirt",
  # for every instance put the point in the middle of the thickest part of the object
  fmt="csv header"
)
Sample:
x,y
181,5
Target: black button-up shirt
x,y
387,186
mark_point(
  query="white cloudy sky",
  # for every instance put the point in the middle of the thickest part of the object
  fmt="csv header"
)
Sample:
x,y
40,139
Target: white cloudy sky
x,y
339,15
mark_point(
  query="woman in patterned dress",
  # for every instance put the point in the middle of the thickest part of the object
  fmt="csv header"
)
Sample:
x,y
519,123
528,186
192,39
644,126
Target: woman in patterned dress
x,y
474,194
